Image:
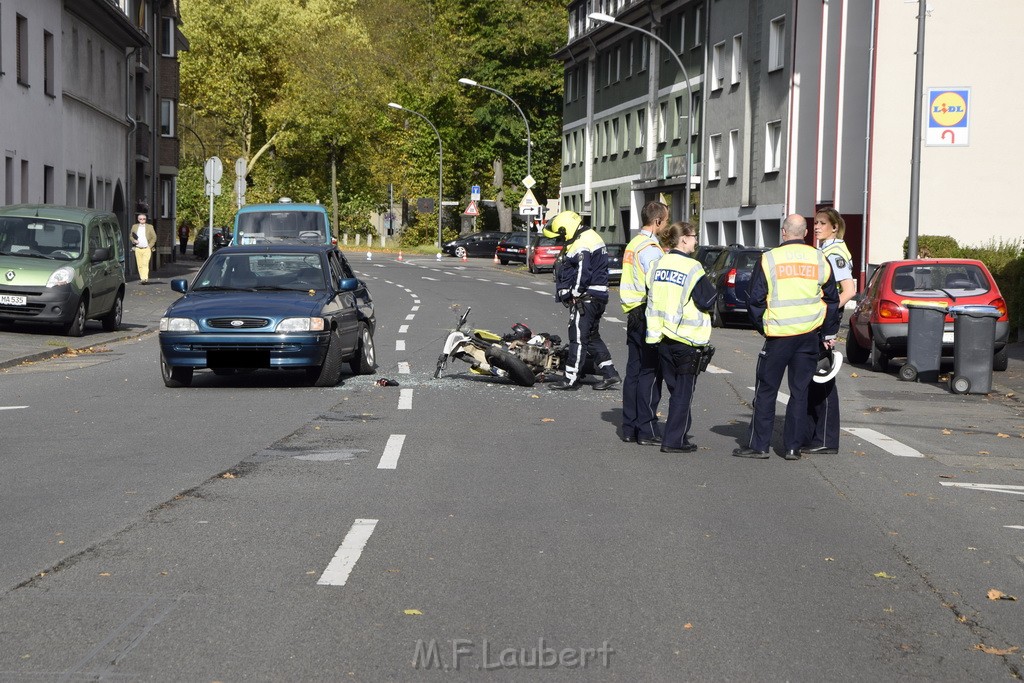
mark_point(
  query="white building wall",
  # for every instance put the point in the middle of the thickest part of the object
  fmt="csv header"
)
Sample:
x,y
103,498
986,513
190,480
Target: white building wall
x,y
966,192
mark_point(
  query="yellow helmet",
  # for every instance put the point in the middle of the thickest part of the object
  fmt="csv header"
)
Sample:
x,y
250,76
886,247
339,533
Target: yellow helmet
x,y
564,225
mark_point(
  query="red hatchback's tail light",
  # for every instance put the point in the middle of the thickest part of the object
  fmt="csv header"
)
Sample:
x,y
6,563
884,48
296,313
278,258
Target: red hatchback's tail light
x,y
730,279
890,311
999,303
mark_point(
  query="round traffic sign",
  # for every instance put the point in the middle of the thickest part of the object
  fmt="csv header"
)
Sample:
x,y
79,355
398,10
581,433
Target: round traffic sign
x,y
213,170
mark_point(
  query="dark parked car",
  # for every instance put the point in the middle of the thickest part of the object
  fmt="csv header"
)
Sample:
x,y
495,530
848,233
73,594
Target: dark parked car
x,y
878,326
269,307
474,244
512,249
201,247
615,252
730,275
707,254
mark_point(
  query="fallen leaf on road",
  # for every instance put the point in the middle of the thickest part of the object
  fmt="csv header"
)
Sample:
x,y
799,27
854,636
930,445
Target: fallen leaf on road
x,y
830,559
910,494
534,396
946,432
227,475
548,419
1003,436
983,453
995,594
947,476
412,612
104,573
854,375
687,626
995,650
883,575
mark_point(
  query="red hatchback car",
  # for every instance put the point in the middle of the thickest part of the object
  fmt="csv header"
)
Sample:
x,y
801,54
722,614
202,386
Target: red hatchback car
x,y
878,326
545,251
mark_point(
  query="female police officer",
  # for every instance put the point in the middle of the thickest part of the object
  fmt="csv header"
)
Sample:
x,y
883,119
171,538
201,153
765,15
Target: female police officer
x,y
678,301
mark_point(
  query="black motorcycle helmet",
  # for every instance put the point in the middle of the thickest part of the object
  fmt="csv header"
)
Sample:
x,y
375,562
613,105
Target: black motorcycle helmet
x,y
520,332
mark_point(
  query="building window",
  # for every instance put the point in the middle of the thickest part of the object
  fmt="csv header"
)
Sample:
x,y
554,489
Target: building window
x,y
565,152
618,64
698,38
21,48
608,68
630,47
737,59
662,122
695,113
734,150
48,63
24,181
772,146
717,57
681,115
568,86
606,139
615,137
645,52
47,184
682,31
715,162
166,197
640,134
167,37
777,44
8,180
167,118
627,127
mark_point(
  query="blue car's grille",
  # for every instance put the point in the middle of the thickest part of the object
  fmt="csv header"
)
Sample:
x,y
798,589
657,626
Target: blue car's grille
x,y
237,323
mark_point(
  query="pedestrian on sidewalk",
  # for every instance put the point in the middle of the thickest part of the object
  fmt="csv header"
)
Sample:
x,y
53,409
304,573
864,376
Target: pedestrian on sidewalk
x,y
183,230
143,238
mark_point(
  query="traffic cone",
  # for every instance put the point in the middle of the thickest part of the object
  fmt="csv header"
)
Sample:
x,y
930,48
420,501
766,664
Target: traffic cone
x,y
496,257
464,259
438,257
399,256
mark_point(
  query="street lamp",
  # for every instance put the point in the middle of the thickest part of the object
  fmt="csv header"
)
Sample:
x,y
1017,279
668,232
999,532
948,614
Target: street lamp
x,y
440,166
529,144
601,16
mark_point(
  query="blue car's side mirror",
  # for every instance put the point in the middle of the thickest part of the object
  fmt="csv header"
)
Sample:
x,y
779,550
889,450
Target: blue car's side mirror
x,y
179,285
347,284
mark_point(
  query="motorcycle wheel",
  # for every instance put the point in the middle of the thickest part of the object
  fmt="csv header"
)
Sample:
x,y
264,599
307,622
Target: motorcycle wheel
x,y
517,370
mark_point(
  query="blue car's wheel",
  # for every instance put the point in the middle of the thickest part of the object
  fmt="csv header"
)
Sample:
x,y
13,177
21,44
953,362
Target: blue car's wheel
x,y
175,377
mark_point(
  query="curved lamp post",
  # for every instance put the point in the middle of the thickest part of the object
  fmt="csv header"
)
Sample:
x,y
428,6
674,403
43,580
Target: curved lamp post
x,y
440,167
601,16
529,144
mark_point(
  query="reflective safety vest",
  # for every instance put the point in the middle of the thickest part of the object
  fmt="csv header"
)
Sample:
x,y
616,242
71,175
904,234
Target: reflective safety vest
x,y
633,282
837,252
670,309
795,275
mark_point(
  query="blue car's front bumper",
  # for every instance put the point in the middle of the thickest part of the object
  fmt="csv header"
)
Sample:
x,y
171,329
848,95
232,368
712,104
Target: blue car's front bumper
x,y
244,350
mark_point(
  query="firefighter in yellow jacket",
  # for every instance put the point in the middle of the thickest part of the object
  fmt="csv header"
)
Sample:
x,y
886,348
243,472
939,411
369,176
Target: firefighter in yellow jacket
x,y
678,302
792,298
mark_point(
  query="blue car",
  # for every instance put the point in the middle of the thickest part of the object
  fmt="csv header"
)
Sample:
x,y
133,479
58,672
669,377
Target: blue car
x,y
730,274
269,307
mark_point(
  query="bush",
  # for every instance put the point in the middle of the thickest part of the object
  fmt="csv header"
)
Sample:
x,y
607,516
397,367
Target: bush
x,y
934,246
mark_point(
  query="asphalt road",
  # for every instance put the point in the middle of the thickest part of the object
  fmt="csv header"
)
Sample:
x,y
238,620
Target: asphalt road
x,y
250,528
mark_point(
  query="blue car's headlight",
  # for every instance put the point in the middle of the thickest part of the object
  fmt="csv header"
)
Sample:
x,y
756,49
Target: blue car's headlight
x,y
301,325
178,325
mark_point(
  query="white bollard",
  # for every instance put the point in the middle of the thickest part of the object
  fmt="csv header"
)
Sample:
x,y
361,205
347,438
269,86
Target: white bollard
x,y
369,257
438,256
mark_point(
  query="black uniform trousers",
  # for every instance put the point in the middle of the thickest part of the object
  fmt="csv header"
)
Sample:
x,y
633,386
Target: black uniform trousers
x,y
585,338
823,411
641,387
797,358
676,356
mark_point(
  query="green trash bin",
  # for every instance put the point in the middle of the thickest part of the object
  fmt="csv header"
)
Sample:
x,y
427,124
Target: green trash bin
x,y
924,340
974,343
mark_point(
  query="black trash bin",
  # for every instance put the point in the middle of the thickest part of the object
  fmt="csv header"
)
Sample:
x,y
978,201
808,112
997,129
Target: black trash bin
x,y
974,343
924,341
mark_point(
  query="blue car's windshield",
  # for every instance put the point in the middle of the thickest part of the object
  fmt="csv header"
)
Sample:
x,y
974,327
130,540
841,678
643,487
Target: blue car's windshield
x,y
262,271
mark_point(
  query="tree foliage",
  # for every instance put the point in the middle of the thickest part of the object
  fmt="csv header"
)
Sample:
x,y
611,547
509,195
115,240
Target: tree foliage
x,y
300,88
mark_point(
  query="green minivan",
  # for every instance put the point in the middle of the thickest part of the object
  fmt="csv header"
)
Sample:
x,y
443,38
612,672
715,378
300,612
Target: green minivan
x,y
61,265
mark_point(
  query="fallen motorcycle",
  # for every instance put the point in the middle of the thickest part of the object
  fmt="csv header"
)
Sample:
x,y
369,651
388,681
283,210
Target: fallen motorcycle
x,y
519,355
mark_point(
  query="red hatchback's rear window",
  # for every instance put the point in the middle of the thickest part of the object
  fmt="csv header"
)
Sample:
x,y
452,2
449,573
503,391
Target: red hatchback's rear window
x,y
941,279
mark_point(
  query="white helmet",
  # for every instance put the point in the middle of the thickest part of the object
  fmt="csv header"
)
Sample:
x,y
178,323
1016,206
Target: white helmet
x,y
829,363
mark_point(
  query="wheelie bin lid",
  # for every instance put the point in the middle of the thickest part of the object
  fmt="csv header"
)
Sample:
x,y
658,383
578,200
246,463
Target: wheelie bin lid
x,y
919,303
975,311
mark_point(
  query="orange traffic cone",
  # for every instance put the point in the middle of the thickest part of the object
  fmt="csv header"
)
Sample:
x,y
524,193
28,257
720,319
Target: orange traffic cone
x,y
399,256
464,259
496,257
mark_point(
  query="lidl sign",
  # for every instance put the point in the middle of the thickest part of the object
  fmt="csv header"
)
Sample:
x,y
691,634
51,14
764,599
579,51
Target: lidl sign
x,y
949,117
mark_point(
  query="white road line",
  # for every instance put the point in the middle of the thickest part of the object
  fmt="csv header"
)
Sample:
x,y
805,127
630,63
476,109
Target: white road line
x,y
525,289
993,488
782,398
403,329
432,279
411,316
416,301
403,368
415,308
504,284
399,345
611,319
407,289
715,370
345,559
480,279
884,442
393,449
13,407
542,291
1013,526
405,399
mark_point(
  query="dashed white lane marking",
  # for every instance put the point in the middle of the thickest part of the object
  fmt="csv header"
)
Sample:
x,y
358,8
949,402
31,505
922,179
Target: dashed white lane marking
x,y
416,301
782,398
715,370
403,329
393,449
611,319
415,308
432,279
480,279
405,399
13,407
345,559
399,345
504,284
885,443
407,289
1013,526
994,488
542,291
411,316
403,368
525,289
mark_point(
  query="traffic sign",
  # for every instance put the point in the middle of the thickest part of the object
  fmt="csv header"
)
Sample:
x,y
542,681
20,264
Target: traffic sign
x,y
240,167
529,204
529,182
213,170
949,117
472,209
474,193
213,189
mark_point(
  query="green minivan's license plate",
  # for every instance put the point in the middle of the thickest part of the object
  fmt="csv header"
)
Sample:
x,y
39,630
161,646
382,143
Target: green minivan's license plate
x,y
13,300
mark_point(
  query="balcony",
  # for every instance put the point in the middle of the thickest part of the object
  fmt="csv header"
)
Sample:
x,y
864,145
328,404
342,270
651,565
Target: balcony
x,y
668,166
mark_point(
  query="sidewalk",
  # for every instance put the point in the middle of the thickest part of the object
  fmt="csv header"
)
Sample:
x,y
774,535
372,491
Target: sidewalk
x,y
144,305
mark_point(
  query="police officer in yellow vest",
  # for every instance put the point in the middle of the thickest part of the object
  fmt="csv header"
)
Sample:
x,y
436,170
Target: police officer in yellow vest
x,y
678,302
792,299
641,386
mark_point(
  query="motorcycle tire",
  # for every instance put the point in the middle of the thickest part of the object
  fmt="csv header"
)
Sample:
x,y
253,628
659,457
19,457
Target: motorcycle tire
x,y
518,371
